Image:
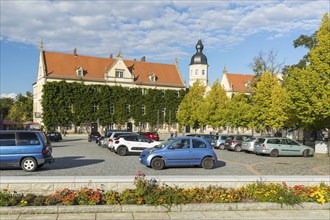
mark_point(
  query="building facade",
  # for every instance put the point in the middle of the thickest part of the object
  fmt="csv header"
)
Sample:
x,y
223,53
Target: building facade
x,y
90,70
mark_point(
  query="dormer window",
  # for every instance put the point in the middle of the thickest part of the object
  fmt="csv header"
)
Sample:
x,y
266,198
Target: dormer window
x,y
119,73
248,84
153,78
80,71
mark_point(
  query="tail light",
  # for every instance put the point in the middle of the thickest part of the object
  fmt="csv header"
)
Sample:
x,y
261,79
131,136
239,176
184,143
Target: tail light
x,y
110,140
263,146
117,142
43,151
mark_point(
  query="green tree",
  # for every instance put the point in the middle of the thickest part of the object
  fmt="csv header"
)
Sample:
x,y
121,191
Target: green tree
x,y
265,63
5,105
238,111
22,109
309,88
191,108
216,106
269,103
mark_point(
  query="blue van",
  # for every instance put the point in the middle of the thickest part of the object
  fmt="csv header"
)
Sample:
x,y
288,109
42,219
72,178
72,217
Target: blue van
x,y
28,149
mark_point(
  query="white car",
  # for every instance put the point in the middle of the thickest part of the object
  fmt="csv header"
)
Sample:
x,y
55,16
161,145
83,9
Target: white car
x,y
132,143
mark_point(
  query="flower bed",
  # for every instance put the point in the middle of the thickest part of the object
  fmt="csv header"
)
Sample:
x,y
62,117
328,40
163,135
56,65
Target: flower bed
x,y
150,193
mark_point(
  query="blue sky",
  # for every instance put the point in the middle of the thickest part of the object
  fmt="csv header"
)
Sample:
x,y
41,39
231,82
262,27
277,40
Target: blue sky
x,y
233,33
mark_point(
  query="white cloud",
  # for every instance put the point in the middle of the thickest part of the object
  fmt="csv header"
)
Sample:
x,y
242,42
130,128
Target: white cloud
x,y
158,29
9,95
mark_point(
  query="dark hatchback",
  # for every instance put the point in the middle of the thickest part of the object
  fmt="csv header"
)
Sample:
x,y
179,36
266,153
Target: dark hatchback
x,y
54,136
94,136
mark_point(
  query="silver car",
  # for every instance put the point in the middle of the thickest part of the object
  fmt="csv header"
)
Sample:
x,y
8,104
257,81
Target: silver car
x,y
277,146
248,145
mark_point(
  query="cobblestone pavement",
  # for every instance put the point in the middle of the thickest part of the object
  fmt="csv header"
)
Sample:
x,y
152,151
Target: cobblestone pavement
x,y
74,156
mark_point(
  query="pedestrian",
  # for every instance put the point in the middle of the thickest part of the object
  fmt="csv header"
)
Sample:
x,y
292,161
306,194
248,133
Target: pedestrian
x,y
175,134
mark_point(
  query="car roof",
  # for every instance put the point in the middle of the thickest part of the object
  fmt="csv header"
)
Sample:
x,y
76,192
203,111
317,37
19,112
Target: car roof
x,y
22,131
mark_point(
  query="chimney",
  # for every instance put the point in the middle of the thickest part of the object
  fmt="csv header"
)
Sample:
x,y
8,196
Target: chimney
x,y
143,59
111,55
75,52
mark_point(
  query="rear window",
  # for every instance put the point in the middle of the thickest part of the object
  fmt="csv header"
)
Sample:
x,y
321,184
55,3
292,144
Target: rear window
x,y
273,141
260,141
130,138
27,139
7,139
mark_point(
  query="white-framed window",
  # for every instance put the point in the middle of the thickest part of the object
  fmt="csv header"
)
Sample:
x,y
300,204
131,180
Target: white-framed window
x,y
95,107
177,93
143,109
196,72
163,92
128,108
80,72
144,91
70,108
111,108
163,112
119,74
203,72
153,78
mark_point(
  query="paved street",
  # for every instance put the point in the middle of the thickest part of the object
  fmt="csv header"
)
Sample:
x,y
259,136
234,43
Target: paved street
x,y
74,156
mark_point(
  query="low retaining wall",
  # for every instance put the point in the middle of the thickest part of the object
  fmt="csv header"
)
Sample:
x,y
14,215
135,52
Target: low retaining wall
x,y
153,209
49,184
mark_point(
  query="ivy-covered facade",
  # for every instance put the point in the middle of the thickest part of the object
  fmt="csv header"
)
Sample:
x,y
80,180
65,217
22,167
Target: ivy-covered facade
x,y
75,104
74,91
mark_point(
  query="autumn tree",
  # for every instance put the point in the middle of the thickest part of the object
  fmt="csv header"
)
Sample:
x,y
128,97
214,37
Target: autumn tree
x,y
191,108
309,88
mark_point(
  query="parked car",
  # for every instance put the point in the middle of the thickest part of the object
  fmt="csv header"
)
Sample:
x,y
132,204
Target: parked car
x,y
114,135
248,145
132,143
54,136
180,151
277,146
28,149
101,141
210,138
151,135
108,134
234,142
94,136
220,141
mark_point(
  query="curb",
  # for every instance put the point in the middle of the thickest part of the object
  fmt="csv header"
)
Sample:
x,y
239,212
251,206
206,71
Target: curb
x,y
154,209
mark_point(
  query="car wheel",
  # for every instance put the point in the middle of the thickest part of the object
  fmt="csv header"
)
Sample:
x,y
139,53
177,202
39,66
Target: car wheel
x,y
29,164
122,151
157,163
222,147
208,163
238,148
274,153
306,153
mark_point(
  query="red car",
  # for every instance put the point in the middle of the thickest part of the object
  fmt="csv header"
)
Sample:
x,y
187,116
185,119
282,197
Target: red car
x,y
151,135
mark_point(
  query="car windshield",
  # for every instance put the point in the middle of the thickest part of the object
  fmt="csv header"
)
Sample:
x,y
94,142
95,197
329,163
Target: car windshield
x,y
163,144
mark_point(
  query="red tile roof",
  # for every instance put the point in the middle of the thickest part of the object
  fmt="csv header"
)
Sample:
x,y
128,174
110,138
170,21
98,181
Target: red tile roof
x,y
63,66
238,82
